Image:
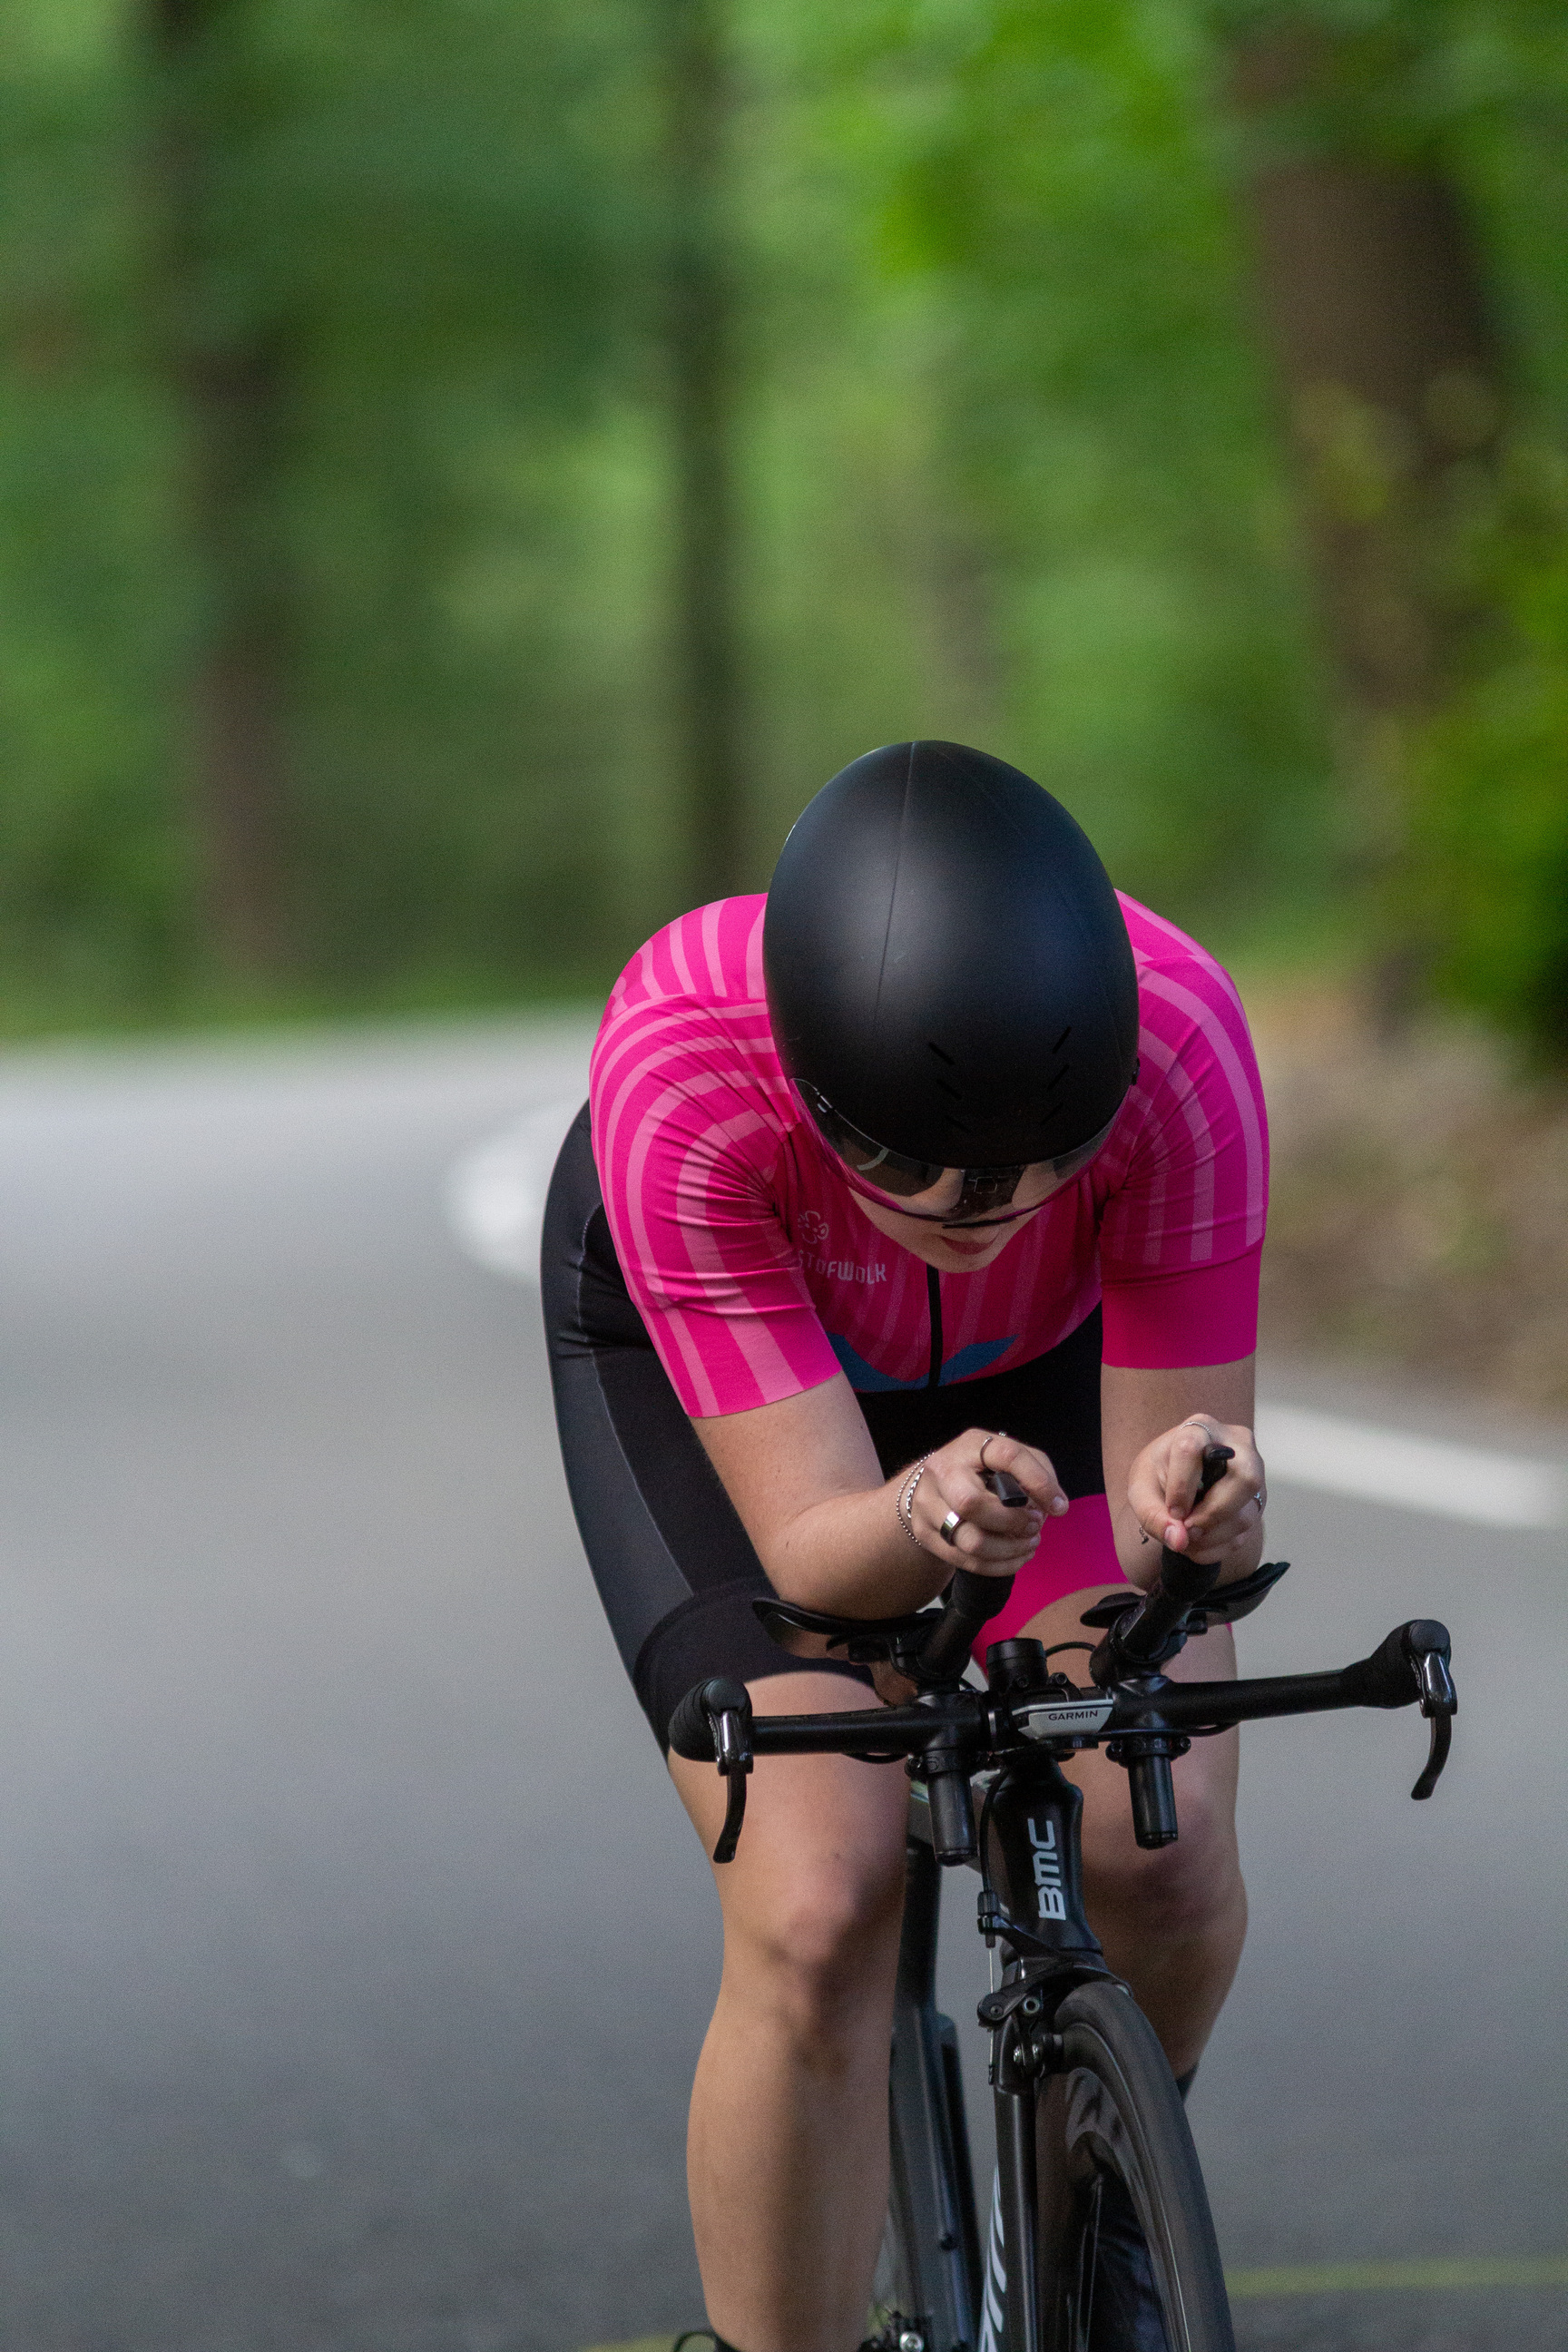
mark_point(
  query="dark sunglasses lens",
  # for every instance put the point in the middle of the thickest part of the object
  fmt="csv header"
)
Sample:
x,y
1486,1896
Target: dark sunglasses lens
x,y
904,1178
889,1170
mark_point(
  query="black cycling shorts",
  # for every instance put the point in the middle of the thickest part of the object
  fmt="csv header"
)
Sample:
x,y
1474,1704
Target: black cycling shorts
x,y
675,1569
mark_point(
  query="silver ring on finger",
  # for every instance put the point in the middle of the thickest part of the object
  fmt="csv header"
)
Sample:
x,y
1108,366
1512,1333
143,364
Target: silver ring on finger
x,y
949,1528
995,1435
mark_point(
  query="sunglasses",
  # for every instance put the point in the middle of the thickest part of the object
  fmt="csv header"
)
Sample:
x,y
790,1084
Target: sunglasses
x,y
986,1196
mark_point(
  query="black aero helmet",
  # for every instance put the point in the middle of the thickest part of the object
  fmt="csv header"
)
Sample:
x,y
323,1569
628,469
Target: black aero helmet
x,y
947,971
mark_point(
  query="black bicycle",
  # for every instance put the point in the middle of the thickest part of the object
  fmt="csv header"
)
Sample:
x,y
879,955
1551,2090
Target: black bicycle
x,y
1091,2136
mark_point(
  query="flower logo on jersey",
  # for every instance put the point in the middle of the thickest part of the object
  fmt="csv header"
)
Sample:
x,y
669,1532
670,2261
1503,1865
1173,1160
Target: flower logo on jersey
x,y
813,1228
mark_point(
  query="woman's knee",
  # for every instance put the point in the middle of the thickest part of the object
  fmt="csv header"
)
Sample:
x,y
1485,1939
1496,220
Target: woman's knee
x,y
1170,1891
819,1940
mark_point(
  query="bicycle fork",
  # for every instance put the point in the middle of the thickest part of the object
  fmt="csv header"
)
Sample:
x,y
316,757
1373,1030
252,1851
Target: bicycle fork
x,y
960,2301
1035,1908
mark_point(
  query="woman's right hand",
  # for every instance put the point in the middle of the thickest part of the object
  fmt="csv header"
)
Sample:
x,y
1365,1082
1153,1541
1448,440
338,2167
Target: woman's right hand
x,y
994,1539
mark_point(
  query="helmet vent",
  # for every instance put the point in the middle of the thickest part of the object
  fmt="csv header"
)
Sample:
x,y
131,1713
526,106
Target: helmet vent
x,y
953,1093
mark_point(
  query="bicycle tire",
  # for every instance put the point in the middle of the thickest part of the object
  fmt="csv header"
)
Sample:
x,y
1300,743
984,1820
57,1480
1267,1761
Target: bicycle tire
x,y
1114,2109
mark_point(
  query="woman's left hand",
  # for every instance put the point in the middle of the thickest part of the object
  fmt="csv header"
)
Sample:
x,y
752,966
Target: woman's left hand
x,y
1163,1487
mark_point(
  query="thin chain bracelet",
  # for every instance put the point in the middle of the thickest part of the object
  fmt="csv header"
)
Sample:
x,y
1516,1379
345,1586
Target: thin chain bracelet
x,y
904,1506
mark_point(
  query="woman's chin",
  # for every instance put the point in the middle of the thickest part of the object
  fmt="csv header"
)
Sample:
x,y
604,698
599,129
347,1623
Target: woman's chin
x,y
951,1250
976,1250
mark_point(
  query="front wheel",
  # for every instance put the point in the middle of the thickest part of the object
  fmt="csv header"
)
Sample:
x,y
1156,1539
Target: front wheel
x,y
1128,2257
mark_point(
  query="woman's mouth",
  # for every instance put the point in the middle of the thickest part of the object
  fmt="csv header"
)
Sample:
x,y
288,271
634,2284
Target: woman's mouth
x,y
975,1248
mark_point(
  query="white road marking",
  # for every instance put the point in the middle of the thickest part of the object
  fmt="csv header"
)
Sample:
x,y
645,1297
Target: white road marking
x,y
494,1198
1415,1473
494,1195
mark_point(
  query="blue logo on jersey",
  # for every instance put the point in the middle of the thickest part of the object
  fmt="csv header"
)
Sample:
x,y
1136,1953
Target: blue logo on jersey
x,y
966,1365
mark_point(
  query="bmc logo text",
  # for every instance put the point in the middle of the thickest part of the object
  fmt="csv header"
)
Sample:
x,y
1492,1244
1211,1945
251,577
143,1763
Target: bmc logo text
x,y
1047,1872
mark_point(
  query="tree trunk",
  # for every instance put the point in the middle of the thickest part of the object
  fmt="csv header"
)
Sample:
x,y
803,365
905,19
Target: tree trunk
x,y
702,386
1372,300
227,377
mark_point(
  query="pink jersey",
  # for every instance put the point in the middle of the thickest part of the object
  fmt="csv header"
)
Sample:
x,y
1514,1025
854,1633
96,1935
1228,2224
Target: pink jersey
x,y
759,1275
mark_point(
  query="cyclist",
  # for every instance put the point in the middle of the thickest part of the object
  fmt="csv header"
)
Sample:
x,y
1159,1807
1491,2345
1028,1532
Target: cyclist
x,y
942,1158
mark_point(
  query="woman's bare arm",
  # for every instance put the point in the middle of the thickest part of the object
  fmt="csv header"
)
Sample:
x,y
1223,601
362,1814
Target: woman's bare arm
x,y
804,1475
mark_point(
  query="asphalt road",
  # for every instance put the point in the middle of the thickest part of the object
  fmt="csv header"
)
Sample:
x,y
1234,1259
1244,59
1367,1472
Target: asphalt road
x,y
353,1952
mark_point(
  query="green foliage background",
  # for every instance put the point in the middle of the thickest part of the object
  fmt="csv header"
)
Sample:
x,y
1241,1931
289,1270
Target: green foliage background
x,y
1011,466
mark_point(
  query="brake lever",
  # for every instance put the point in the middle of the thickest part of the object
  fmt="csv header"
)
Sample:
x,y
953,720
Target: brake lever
x,y
712,1725
1427,1648
732,1754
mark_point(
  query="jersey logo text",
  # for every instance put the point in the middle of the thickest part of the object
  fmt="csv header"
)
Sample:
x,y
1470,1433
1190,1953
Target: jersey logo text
x,y
843,1269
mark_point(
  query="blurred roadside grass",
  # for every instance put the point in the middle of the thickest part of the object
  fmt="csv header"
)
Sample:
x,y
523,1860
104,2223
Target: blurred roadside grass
x,y
1419,1216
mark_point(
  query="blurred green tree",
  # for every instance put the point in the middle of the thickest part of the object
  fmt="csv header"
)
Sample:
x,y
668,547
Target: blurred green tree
x,y
230,364
1482,899
336,300
93,877
700,338
429,216
1114,559
1403,170
1383,335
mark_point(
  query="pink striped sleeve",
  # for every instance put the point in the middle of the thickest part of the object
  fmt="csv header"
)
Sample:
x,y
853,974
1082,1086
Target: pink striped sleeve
x,y
687,1159
1207,1315
1181,1233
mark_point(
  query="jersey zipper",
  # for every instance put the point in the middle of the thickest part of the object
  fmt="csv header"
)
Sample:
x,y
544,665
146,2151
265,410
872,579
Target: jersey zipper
x,y
933,1301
